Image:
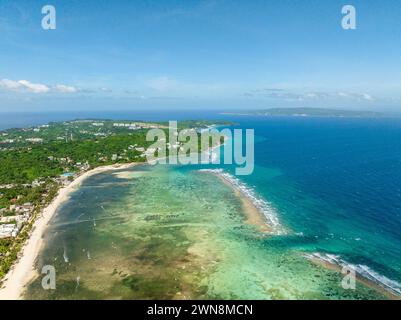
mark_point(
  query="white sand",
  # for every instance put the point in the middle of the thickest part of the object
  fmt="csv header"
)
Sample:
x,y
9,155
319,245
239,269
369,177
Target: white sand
x,y
23,270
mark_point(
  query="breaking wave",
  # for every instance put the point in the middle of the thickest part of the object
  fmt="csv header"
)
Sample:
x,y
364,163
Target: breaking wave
x,y
261,204
361,270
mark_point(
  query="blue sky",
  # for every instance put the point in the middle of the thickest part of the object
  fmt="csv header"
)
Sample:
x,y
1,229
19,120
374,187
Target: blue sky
x,y
135,55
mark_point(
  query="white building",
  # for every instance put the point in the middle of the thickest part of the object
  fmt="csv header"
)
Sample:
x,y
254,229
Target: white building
x,y
8,230
34,140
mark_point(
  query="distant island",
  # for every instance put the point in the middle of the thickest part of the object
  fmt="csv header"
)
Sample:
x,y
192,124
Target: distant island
x,y
306,112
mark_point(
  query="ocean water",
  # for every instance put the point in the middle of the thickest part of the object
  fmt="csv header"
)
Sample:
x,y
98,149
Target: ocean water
x,y
336,181
174,232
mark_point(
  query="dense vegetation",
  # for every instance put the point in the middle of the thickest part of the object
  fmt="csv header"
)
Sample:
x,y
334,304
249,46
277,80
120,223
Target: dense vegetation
x,y
32,160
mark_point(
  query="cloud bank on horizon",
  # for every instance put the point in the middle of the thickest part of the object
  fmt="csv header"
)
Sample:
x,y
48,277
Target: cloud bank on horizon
x,y
209,54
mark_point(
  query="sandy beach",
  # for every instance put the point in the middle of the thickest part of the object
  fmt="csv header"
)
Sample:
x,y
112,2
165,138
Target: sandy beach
x,y
253,215
367,282
23,270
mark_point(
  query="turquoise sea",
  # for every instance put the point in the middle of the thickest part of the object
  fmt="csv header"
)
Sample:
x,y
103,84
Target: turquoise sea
x,y
174,232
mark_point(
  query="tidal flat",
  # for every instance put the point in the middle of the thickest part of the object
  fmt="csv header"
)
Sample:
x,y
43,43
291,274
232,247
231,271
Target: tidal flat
x,y
164,232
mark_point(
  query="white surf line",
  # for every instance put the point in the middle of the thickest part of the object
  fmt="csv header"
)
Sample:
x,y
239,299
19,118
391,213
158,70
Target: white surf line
x,y
362,270
261,204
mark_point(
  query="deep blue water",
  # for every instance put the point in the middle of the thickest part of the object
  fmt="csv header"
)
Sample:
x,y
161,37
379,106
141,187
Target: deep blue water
x,y
336,181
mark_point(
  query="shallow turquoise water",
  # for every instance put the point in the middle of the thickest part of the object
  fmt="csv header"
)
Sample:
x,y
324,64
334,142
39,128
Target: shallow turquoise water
x,y
173,233
336,182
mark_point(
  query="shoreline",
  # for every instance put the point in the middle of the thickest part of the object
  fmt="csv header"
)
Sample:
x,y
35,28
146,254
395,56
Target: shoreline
x,y
336,266
23,269
256,217
253,214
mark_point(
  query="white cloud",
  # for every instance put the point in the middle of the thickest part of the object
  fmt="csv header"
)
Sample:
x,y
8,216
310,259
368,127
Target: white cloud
x,y
28,86
34,87
65,89
24,85
10,84
367,96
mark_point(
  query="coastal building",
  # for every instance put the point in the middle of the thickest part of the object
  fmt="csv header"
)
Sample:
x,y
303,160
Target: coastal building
x,y
7,141
130,126
150,151
8,186
22,218
7,219
34,140
9,230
